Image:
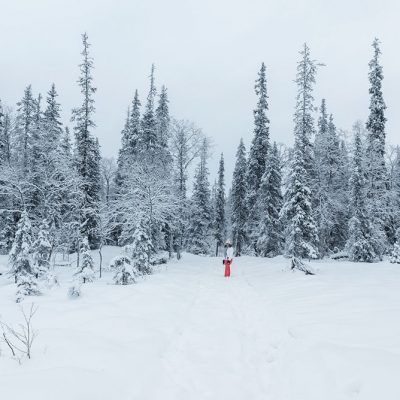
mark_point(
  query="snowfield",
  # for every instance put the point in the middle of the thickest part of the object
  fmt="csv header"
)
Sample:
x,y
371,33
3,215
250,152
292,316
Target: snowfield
x,y
188,333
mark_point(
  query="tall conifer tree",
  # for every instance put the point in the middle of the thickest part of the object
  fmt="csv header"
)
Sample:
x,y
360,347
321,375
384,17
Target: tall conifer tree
x,y
219,217
239,190
87,151
301,233
258,154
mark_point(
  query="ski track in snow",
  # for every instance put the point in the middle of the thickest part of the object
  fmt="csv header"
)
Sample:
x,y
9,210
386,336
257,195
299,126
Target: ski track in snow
x,y
187,333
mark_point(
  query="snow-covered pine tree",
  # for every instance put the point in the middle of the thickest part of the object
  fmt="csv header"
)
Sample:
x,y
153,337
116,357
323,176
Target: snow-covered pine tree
x,y
219,213
148,138
395,188
24,128
377,175
163,118
257,155
85,271
36,162
7,225
360,244
301,234
52,118
65,143
5,136
42,251
239,209
125,271
199,230
21,260
270,202
87,149
129,141
395,255
141,249
328,186
163,136
2,136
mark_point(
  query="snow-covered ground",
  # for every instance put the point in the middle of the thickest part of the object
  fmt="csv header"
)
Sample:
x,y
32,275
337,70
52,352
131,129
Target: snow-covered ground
x,y
188,333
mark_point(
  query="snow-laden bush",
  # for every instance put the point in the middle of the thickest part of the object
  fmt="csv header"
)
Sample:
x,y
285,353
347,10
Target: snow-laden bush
x,y
340,255
74,291
27,286
125,270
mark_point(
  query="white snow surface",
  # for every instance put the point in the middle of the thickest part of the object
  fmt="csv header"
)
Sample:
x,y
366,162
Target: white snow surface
x,y
188,333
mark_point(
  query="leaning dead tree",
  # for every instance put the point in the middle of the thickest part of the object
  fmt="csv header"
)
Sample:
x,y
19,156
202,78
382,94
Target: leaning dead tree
x,y
298,264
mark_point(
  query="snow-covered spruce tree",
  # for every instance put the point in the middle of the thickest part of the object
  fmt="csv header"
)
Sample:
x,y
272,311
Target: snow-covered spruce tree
x,y
36,162
21,260
42,251
360,245
300,233
129,141
219,213
6,215
395,188
2,135
163,136
24,128
163,119
395,255
85,271
141,249
328,186
238,204
5,136
270,238
257,155
87,149
125,271
377,176
199,230
52,118
129,148
148,138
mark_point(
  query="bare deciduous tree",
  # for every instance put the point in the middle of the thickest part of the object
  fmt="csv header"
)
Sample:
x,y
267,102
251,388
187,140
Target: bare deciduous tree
x,y
20,339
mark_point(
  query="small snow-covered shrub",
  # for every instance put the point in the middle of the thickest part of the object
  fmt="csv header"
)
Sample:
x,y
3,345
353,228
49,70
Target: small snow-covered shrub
x,y
125,270
159,259
340,255
85,271
74,291
27,286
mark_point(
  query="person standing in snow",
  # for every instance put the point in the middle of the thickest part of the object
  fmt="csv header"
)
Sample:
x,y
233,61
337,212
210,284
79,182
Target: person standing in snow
x,y
228,258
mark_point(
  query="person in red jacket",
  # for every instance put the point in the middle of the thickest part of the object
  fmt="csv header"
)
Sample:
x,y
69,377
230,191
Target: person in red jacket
x,y
228,258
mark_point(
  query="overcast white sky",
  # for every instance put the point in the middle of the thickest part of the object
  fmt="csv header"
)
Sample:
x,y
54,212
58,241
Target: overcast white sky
x,y
208,53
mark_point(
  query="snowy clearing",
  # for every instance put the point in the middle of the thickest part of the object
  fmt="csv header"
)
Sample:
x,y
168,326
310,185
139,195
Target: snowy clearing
x,y
188,333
